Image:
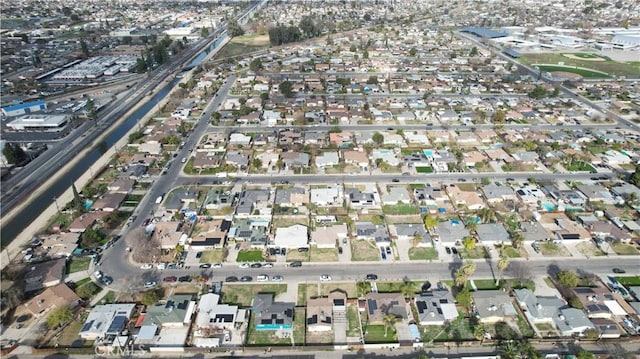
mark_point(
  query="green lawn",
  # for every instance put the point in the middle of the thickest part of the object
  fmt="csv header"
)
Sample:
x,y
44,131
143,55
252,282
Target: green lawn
x,y
109,298
213,256
78,264
253,255
400,209
87,290
478,252
426,169
626,281
510,252
485,284
354,323
610,67
422,253
457,330
364,251
242,294
586,73
579,167
524,327
624,249
376,334
396,287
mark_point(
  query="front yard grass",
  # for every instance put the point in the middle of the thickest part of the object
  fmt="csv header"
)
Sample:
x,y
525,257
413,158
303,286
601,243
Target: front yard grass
x,y
624,249
627,281
294,255
510,252
252,255
555,250
375,333
362,250
478,252
423,253
70,334
242,294
457,330
396,287
78,264
213,256
400,209
353,330
323,254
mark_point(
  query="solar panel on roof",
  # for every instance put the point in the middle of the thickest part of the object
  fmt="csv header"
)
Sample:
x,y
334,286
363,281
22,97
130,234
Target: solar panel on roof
x,y
373,305
117,324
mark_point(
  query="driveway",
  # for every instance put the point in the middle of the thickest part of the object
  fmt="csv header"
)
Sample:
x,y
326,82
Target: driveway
x,y
403,246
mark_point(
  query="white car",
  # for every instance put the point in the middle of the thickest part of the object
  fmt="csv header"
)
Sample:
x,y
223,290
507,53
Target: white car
x,y
150,284
98,274
267,265
325,278
161,266
146,266
277,278
262,278
216,265
244,265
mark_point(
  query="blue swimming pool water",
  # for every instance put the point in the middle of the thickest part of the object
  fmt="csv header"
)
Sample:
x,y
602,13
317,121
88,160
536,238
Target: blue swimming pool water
x,y
88,204
548,206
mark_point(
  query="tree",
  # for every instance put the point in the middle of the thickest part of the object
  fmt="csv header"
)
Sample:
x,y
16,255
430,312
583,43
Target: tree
x,y
416,240
234,29
256,65
413,51
204,32
499,116
84,49
469,242
90,109
502,265
372,80
538,92
463,298
59,316
378,138
309,27
256,163
471,224
14,153
77,202
462,274
150,298
575,302
583,354
567,278
473,52
430,222
286,88
634,179
517,238
390,321
479,332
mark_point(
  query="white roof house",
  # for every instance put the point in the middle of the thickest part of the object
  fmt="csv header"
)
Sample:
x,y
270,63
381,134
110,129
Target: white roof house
x,y
327,159
239,139
213,315
330,196
291,237
108,319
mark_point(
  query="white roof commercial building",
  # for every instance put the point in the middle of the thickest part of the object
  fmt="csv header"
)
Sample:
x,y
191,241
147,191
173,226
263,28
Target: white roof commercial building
x,y
39,122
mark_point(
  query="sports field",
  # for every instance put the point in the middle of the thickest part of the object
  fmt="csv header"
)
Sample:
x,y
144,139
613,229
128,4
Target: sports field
x,y
587,74
585,60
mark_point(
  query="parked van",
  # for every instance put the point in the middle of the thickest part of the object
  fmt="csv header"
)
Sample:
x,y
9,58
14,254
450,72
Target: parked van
x,y
263,278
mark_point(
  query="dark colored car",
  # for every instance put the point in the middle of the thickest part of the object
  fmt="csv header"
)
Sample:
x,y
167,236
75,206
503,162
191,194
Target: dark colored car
x,y
448,250
619,271
395,180
256,265
340,250
246,278
295,264
184,278
231,279
371,277
170,279
106,280
454,250
205,266
303,249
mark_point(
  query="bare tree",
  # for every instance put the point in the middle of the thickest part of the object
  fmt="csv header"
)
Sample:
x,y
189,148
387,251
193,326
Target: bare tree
x,y
520,272
143,248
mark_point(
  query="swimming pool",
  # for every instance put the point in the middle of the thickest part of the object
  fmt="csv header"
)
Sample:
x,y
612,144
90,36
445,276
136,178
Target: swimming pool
x,y
547,206
428,153
88,204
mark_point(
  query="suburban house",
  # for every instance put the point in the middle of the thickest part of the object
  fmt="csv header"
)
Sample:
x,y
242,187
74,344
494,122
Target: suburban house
x,y
492,234
327,159
58,296
324,311
252,230
357,158
496,194
396,195
295,236
291,197
212,236
341,139
167,233
295,160
270,315
492,306
533,231
328,236
539,309
166,324
181,199
107,319
360,199
469,199
218,198
572,321
597,193
370,231
329,196
44,274
109,202
562,228
121,184
435,307
409,231
599,302
60,244
84,221
215,323
451,232
252,200
380,304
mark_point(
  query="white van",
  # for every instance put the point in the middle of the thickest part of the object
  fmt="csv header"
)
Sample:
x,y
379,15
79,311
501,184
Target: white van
x,y
262,278
159,199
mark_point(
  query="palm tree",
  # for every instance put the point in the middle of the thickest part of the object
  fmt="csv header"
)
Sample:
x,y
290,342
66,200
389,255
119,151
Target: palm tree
x,y
487,215
389,320
502,264
516,239
430,222
479,332
472,226
417,238
407,289
463,273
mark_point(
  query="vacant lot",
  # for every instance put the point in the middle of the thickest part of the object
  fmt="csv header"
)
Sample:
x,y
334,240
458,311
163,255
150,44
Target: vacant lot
x,y
554,250
364,251
213,256
477,252
402,209
624,249
242,294
323,254
589,249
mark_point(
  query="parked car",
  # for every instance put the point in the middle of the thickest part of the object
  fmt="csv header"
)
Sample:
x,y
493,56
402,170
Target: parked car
x,y
262,278
303,249
106,280
246,278
98,274
184,278
217,265
371,277
267,265
619,271
277,278
256,265
325,278
454,250
146,266
231,279
448,250
170,279
205,266
150,284
340,250
388,249
295,264
244,265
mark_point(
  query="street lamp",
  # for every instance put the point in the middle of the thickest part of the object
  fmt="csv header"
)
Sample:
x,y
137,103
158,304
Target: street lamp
x,y
55,200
